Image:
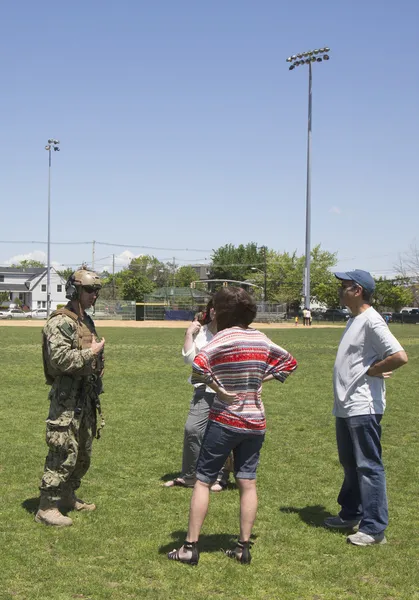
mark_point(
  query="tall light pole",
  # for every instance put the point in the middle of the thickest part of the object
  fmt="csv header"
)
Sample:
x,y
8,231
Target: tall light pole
x,y
308,58
52,145
264,286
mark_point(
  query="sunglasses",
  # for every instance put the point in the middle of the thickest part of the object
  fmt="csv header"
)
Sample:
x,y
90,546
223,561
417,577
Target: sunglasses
x,y
349,287
91,289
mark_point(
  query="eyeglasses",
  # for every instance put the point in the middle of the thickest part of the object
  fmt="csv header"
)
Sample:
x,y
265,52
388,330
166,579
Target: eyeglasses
x,y
91,289
353,286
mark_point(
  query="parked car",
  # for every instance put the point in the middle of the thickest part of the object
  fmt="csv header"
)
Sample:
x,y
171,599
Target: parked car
x,y
411,316
335,314
12,313
38,313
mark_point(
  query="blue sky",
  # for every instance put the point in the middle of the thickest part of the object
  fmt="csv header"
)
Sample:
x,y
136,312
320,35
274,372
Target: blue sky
x,y
181,127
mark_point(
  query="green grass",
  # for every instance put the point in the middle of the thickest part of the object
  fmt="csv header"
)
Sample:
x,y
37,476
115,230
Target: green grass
x,y
118,552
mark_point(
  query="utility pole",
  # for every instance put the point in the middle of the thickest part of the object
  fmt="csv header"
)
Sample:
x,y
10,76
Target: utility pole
x,y
93,255
265,297
113,276
174,271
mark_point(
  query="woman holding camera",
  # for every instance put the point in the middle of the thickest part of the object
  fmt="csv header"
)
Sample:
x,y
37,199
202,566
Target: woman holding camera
x,y
199,333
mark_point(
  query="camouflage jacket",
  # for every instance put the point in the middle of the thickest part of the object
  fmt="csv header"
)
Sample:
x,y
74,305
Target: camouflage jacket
x,y
68,364
68,351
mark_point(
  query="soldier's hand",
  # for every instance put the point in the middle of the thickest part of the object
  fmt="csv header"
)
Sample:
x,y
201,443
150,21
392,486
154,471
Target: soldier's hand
x,y
97,347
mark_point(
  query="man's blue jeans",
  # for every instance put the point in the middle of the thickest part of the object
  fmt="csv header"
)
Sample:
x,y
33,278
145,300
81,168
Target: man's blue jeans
x,y
363,493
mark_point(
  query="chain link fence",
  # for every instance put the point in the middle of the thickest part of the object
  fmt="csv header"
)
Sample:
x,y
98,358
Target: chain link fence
x,y
115,310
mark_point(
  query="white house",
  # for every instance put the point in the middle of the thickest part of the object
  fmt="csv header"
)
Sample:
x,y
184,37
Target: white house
x,y
29,285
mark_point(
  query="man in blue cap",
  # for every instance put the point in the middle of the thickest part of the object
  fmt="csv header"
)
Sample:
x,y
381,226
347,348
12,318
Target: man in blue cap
x,y
368,353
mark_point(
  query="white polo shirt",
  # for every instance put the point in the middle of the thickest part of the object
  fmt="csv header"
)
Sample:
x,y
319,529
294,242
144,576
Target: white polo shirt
x,y
201,339
366,340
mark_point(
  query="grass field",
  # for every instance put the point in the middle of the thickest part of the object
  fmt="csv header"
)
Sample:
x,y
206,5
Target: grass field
x,y
118,552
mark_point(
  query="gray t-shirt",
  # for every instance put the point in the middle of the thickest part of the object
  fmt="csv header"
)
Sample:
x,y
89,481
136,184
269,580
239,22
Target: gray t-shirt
x,y
366,340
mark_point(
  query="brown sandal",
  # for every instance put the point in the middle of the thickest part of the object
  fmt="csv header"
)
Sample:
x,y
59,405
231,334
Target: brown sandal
x,y
241,547
193,560
178,482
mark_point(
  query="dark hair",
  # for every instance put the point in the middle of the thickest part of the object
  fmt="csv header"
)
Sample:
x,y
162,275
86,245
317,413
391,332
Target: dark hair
x,y
234,306
204,317
366,296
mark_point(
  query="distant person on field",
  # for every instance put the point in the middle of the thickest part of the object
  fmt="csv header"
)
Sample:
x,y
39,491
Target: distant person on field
x,y
73,365
235,364
199,333
368,353
306,316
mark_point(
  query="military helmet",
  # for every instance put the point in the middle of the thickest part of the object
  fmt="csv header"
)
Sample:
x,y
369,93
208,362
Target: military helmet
x,y
81,278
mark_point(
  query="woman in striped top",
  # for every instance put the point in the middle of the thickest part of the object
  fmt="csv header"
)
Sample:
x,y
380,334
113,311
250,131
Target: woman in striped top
x,y
235,364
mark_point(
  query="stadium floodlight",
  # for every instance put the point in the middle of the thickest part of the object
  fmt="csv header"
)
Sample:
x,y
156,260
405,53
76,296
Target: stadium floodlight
x,y
312,59
52,144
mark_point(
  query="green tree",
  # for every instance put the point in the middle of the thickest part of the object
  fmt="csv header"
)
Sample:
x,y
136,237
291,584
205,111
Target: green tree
x,y
4,297
151,267
328,293
136,286
285,278
231,262
324,285
65,273
28,263
393,294
185,275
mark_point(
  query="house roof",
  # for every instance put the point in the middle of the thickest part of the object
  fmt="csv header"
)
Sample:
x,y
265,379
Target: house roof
x,y
13,287
30,271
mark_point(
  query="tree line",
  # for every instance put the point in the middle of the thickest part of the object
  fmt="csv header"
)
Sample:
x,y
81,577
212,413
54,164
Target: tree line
x,y
275,276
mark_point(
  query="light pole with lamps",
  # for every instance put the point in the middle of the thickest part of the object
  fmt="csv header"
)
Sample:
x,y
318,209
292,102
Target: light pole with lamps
x,y
308,58
52,145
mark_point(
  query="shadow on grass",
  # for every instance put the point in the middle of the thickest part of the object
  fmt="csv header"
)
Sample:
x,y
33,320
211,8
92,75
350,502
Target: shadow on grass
x,y
207,543
312,515
31,505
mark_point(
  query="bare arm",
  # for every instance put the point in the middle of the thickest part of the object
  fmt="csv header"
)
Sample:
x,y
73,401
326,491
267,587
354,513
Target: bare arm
x,y
222,394
385,367
268,378
188,349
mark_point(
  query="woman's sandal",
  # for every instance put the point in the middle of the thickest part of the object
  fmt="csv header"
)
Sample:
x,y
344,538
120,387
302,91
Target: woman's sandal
x,y
193,560
178,482
241,552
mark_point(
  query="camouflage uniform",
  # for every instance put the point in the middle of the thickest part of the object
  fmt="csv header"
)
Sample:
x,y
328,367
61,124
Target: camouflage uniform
x,y
74,399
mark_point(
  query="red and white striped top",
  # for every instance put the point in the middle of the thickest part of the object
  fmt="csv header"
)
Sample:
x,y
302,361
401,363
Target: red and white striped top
x,y
238,360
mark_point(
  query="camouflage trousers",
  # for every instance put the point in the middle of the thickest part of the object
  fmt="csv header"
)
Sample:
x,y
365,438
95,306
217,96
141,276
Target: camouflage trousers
x,y
70,450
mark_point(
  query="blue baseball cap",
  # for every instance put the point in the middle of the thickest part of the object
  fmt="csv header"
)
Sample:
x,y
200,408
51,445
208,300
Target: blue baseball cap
x,y
362,278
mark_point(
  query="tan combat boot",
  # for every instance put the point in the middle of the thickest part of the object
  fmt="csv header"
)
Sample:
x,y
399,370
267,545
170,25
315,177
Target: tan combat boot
x,y
49,514
71,502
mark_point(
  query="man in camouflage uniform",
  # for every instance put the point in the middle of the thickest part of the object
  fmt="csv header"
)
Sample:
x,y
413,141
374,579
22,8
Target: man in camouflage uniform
x,y
73,363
